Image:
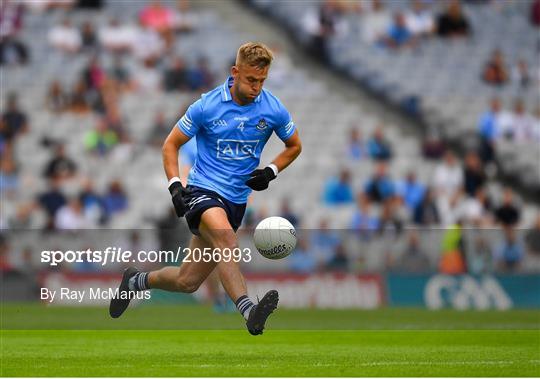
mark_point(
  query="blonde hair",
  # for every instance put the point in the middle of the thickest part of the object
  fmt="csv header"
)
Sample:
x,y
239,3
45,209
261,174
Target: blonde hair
x,y
254,54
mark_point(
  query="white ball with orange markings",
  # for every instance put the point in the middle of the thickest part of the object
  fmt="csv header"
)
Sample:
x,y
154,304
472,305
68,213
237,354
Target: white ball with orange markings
x,y
275,237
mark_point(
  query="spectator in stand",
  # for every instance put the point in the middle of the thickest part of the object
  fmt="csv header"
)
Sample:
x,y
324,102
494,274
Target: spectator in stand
x,y
12,50
393,217
57,99
184,20
201,78
160,130
115,200
14,122
419,19
88,36
508,214
60,167
380,187
94,74
364,220
302,260
475,210
147,44
339,191
398,35
375,22
121,75
412,191
92,203
356,148
79,102
532,238
9,177
489,129
480,258
495,71
100,140
510,253
159,18
473,174
517,125
65,37
535,13
413,258
176,77
427,213
453,22
520,74
287,212
71,216
116,37
148,77
339,262
378,147
433,147
51,201
323,242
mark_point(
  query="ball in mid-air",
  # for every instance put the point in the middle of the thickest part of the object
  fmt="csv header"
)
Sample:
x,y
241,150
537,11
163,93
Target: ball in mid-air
x,y
275,237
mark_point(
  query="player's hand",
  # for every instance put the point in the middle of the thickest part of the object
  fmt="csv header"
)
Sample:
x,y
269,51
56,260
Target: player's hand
x,y
260,178
178,191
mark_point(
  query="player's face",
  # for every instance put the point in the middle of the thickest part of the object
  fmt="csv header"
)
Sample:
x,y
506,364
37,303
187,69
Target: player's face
x,y
248,82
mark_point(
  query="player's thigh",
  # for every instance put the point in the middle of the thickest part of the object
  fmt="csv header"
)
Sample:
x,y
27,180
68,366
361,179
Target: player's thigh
x,y
216,229
195,270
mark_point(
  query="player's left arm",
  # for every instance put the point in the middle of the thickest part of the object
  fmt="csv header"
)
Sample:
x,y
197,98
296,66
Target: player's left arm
x,y
260,178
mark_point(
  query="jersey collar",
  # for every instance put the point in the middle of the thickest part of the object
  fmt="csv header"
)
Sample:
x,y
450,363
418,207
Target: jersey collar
x,y
226,91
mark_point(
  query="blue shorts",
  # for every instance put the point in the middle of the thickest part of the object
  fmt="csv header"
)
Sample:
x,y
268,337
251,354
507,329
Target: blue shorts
x,y
200,199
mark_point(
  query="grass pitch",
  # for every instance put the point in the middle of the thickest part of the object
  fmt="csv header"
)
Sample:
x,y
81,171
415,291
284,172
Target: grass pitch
x,y
387,342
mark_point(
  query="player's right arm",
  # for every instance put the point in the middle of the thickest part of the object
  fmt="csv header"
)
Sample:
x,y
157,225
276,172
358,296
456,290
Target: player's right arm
x,y
183,131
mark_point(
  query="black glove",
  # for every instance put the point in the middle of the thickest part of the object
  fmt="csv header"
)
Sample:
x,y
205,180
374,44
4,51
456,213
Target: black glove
x,y
178,192
259,179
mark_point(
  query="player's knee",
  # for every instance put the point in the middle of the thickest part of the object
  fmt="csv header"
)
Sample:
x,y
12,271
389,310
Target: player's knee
x,y
186,285
226,241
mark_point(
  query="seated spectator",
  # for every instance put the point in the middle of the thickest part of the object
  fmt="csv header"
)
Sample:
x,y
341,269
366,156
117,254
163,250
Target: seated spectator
x,y
71,216
65,37
375,22
60,166
510,253
121,75
57,99
156,16
201,78
14,121
148,77
79,100
323,242
94,75
535,13
448,177
520,74
92,203
508,214
302,260
378,147
356,148
474,176
411,191
413,258
398,35
433,147
88,36
100,140
184,20
489,128
339,261
176,77
427,213
13,52
287,213
495,71
9,177
532,238
147,44
392,218
51,201
419,19
115,200
475,210
364,220
116,37
517,125
339,190
380,187
452,22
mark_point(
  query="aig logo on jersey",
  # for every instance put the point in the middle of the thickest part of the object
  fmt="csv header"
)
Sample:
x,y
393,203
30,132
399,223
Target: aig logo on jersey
x,y
236,149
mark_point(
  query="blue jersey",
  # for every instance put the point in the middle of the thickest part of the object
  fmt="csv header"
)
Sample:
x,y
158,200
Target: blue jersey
x,y
231,137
